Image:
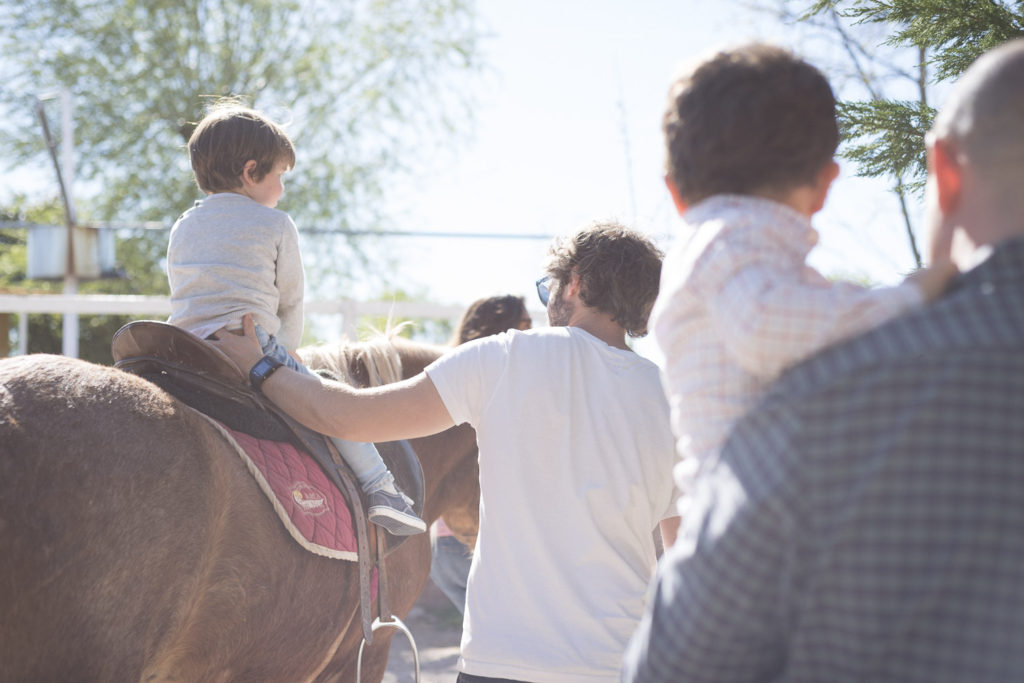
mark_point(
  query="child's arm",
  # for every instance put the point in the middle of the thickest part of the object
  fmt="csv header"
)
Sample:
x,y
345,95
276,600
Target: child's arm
x,y
769,320
290,284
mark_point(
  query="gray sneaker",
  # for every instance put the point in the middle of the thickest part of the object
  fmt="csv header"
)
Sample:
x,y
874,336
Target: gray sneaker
x,y
393,512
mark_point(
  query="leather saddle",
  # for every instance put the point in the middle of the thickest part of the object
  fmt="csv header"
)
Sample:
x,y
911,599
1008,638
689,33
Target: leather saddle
x,y
205,379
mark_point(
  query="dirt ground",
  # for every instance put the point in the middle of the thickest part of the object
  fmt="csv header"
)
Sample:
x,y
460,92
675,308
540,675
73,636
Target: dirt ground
x,y
437,627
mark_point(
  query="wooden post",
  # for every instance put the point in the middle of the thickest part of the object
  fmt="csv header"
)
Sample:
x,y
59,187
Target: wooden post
x,y
5,335
65,181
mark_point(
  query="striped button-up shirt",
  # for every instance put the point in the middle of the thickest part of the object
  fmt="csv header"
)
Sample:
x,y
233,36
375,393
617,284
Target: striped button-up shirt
x,y
738,305
865,522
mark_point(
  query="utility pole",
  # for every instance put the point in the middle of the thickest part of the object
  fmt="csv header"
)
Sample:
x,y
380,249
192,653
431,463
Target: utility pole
x,y
70,321
65,179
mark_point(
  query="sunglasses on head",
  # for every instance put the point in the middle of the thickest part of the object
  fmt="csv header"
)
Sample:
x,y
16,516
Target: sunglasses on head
x,y
543,290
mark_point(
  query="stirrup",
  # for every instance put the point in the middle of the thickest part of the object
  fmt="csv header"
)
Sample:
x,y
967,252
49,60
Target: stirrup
x,y
394,623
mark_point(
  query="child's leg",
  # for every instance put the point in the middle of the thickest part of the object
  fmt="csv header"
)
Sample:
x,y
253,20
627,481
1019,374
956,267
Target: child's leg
x,y
365,462
388,506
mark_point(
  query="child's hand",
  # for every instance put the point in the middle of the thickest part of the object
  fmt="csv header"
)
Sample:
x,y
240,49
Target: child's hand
x,y
934,279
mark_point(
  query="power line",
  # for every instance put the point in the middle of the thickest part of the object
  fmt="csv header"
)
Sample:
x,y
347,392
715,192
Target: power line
x,y
156,225
443,234
428,233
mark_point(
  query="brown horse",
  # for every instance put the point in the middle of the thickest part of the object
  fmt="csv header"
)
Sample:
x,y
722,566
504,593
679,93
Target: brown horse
x,y
136,546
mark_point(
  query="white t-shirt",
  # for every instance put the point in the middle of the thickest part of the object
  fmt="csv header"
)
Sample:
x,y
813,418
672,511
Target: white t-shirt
x,y
576,456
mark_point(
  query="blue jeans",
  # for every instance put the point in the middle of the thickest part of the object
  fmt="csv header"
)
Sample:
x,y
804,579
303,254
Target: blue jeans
x,y
363,458
449,567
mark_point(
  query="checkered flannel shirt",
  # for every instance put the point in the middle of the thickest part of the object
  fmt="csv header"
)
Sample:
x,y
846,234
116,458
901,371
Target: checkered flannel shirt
x,y
866,520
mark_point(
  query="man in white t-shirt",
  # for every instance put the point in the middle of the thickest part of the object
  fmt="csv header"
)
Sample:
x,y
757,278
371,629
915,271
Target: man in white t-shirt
x,y
576,453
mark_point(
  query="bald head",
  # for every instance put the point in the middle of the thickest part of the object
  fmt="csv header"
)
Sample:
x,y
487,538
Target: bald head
x,y
983,119
975,191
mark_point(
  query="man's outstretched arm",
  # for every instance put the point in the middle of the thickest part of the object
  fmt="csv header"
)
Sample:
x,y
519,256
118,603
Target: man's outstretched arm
x,y
402,410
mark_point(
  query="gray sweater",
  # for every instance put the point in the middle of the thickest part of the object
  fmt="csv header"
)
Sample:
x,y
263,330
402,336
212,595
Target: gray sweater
x,y
229,255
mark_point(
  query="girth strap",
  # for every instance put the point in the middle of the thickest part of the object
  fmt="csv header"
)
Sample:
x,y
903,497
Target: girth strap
x,y
343,477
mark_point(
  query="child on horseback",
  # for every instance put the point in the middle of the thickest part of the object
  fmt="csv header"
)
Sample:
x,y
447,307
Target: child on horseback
x,y
233,253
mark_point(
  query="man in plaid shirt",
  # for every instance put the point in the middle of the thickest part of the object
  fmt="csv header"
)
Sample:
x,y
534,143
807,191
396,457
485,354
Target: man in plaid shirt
x,y
865,522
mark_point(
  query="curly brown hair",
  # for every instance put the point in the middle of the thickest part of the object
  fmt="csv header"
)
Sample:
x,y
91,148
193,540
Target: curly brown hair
x,y
752,119
619,271
492,315
227,138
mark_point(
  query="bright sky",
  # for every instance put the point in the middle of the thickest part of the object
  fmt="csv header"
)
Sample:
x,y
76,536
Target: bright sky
x,y
567,130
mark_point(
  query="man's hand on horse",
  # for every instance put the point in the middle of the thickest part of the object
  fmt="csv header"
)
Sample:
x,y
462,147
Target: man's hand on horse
x,y
244,349
401,410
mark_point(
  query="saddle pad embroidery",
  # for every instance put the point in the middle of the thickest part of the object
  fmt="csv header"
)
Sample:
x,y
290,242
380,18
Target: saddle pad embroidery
x,y
311,508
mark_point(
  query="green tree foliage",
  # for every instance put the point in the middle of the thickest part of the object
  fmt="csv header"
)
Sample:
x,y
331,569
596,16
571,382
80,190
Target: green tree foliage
x,y
366,89
884,134
954,32
949,35
360,83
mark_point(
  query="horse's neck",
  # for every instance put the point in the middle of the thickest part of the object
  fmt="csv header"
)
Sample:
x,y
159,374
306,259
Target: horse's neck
x,y
450,473
451,477
415,357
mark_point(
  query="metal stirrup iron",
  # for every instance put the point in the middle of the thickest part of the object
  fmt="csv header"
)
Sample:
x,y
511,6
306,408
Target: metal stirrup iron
x,y
386,619
397,624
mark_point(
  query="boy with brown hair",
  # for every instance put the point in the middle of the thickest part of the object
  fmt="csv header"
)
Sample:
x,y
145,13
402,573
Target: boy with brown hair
x,y
233,253
750,135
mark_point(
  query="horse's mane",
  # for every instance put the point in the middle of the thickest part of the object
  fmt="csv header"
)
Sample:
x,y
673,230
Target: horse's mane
x,y
366,363
382,359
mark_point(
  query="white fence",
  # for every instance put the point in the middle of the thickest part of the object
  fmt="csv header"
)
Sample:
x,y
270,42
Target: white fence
x,y
159,307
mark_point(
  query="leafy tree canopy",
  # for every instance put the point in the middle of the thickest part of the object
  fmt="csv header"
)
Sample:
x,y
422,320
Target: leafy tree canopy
x,y
886,136
360,84
895,54
955,32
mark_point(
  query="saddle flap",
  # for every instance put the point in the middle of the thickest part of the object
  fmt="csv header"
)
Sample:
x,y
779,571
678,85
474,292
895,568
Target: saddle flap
x,y
175,347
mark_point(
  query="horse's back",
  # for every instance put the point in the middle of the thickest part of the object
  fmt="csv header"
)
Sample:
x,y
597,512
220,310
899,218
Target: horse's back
x,y
136,544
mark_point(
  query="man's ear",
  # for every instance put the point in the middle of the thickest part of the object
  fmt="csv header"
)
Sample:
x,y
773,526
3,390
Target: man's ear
x,y
947,175
677,199
572,287
943,196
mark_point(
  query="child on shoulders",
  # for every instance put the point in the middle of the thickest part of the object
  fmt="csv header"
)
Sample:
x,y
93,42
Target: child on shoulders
x,y
750,135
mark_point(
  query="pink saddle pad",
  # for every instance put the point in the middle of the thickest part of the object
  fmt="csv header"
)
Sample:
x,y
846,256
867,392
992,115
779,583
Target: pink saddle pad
x,y
311,508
